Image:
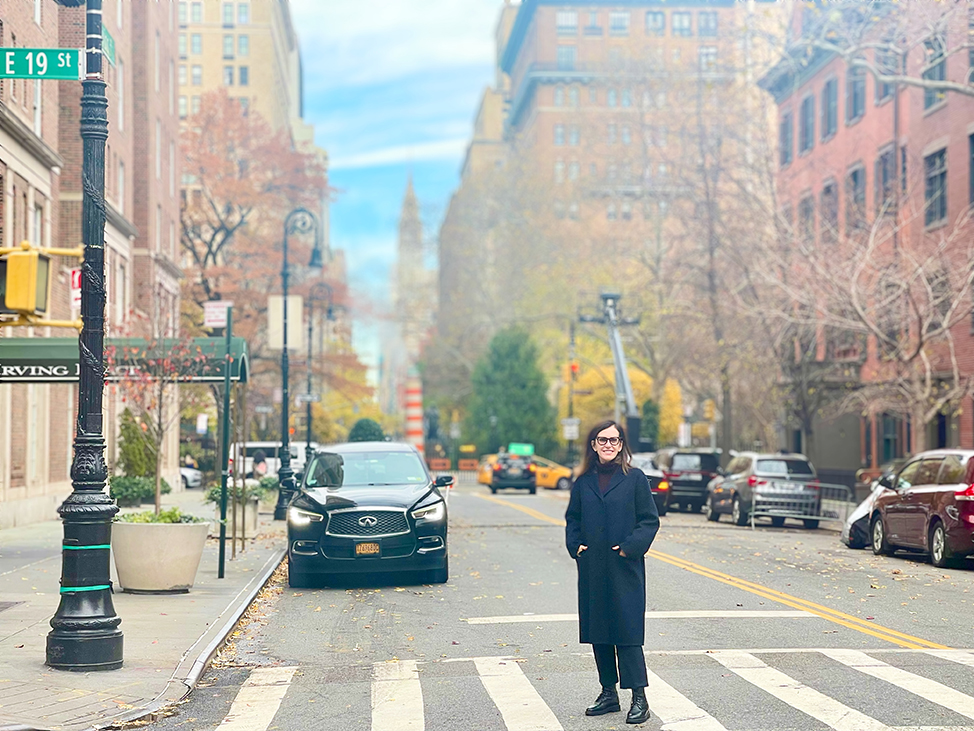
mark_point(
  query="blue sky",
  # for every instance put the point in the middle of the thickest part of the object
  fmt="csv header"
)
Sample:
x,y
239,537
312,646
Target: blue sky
x,y
392,87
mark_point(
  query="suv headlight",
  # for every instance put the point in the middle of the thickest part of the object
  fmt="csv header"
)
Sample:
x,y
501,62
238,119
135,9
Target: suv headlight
x,y
296,516
430,512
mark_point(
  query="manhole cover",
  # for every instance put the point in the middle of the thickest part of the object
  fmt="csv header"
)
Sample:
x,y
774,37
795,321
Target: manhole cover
x,y
7,605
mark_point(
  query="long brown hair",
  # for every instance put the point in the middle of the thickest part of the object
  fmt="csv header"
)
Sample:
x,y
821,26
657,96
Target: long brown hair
x,y
590,459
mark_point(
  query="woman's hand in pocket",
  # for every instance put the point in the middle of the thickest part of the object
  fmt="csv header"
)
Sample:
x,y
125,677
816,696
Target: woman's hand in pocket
x,y
580,549
619,549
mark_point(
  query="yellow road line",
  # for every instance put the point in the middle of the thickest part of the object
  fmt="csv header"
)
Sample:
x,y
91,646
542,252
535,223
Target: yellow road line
x,y
832,615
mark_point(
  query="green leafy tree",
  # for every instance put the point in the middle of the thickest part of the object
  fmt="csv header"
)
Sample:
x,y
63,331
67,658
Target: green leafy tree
x,y
509,401
649,429
366,430
135,457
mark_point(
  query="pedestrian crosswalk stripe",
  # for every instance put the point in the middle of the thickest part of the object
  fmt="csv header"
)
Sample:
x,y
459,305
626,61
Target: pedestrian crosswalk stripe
x,y
397,697
963,657
520,704
675,710
928,689
258,699
829,711
678,614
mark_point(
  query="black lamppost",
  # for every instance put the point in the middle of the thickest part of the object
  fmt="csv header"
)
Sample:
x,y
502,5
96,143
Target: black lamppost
x,y
298,221
314,296
85,634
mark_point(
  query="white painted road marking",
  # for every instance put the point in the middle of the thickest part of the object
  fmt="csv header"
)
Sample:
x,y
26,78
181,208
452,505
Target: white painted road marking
x,y
520,704
675,710
797,695
682,614
258,699
397,697
928,689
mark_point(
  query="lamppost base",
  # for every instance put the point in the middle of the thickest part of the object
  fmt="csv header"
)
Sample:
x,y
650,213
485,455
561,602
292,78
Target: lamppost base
x,y
85,651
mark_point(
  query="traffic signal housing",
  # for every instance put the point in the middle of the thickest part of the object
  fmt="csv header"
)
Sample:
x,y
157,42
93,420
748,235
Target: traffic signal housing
x,y
25,279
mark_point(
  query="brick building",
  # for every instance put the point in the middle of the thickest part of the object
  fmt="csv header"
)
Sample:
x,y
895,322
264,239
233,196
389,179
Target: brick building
x,y
892,160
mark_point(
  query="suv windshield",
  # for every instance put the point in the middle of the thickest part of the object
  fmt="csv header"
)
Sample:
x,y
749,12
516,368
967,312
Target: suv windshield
x,y
789,467
697,462
363,469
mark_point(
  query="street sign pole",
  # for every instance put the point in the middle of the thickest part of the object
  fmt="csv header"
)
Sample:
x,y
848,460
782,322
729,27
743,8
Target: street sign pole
x,y
225,473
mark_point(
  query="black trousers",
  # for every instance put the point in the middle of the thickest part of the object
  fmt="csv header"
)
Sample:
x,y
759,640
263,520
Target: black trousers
x,y
632,665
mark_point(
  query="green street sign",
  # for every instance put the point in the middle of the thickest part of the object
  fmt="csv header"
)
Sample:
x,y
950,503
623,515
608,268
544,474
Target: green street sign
x,y
520,450
60,64
107,45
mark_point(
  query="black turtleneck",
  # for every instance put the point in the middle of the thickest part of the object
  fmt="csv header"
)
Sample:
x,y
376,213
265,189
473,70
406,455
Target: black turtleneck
x,y
605,472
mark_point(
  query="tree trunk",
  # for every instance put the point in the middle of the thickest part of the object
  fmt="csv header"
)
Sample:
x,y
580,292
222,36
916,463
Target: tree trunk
x,y
919,431
726,423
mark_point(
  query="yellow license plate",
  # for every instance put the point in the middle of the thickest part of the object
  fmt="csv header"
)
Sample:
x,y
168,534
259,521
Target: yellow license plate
x,y
366,549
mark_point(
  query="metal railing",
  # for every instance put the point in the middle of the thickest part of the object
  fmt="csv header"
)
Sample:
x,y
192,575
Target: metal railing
x,y
830,502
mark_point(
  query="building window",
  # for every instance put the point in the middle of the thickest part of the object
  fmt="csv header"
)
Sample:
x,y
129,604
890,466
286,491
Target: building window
x,y
935,195
243,45
228,46
228,75
935,59
855,200
708,58
887,63
157,70
244,104
830,108
806,220
625,211
855,94
183,107
158,149
559,134
611,98
37,12
244,76
619,23
243,13
566,22
885,181
182,13
182,45
806,125
612,134
196,44
573,97
655,23
574,169
121,187
610,212
707,24
227,14
785,138
197,75
196,15
566,58
681,24
559,171
626,134
183,75
626,98
194,105
172,168
830,213
574,136
120,73
559,96
592,27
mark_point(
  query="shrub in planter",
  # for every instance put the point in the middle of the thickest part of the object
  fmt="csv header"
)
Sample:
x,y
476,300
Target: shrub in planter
x,y
173,515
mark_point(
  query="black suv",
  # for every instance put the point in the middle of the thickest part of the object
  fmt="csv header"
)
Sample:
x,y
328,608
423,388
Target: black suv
x,y
511,470
688,471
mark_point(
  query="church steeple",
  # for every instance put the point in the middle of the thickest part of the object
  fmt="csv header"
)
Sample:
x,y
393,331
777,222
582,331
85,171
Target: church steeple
x,y
410,230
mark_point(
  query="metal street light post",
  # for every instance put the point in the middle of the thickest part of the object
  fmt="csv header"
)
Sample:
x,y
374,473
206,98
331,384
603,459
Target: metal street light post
x,y
314,296
85,635
298,221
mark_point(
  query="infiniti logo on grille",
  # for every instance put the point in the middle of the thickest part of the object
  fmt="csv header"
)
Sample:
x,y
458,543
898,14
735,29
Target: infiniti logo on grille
x,y
368,521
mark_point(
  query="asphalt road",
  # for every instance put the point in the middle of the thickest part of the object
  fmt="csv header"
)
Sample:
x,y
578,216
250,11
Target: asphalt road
x,y
770,629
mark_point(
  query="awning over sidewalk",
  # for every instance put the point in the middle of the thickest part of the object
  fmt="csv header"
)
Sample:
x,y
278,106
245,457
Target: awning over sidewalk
x,y
55,360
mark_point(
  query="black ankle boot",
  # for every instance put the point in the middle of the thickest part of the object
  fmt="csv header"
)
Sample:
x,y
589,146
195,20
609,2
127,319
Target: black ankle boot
x,y
607,702
639,712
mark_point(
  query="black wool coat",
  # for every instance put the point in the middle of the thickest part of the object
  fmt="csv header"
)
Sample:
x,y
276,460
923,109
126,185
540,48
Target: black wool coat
x,y
611,589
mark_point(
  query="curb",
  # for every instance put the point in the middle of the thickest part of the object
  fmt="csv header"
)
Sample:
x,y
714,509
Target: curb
x,y
179,685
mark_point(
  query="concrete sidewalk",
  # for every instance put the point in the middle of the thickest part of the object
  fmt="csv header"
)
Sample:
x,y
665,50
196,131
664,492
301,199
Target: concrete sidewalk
x,y
168,639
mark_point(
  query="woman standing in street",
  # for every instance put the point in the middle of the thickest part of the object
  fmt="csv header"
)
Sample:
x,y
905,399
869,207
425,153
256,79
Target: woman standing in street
x,y
610,524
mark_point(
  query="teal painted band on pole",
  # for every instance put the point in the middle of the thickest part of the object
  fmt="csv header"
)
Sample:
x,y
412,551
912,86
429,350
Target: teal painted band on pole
x,y
72,589
86,548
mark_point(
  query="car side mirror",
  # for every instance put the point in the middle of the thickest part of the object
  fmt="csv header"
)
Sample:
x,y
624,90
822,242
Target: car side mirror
x,y
887,481
298,478
443,481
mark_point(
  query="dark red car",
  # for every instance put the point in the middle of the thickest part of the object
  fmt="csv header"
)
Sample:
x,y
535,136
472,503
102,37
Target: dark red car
x,y
928,506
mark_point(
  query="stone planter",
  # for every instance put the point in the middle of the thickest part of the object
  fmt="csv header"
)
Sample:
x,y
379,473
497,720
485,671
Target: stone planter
x,y
247,517
157,558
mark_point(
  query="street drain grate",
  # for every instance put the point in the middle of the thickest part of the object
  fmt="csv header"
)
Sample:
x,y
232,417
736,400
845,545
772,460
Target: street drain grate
x,y
7,605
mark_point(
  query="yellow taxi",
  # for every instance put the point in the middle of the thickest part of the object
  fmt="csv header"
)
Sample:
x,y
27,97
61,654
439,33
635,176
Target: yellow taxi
x,y
553,475
485,472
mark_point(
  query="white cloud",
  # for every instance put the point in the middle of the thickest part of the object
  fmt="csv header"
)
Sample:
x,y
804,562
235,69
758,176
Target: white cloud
x,y
424,151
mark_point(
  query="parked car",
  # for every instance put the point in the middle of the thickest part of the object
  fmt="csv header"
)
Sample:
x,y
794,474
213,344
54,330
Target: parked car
x,y
855,531
657,480
552,475
781,484
365,508
688,472
511,470
928,505
485,472
191,477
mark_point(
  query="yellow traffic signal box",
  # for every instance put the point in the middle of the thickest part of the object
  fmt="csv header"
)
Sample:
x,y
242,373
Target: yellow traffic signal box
x,y
25,282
